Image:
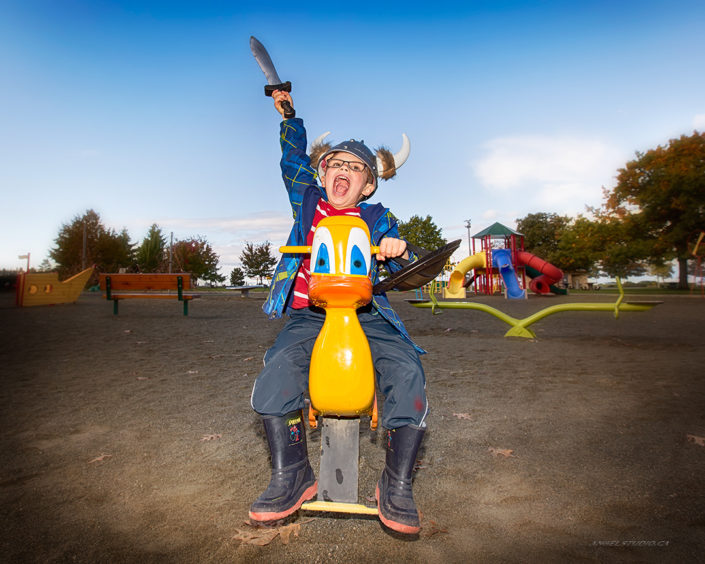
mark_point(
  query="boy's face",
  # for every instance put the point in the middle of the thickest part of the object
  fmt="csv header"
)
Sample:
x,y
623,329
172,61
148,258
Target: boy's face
x,y
345,187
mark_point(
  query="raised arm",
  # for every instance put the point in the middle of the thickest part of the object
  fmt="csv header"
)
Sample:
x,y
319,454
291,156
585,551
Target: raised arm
x,y
297,172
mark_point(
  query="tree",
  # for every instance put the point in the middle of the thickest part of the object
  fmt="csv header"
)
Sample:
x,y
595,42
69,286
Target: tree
x,y
104,248
618,251
115,250
46,266
151,254
579,246
237,277
542,234
257,260
196,256
660,199
661,272
422,232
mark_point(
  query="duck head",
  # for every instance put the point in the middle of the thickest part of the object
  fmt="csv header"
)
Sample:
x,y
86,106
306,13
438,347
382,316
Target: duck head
x,y
340,263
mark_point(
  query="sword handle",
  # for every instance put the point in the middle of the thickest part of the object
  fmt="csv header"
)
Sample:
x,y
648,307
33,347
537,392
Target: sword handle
x,y
269,89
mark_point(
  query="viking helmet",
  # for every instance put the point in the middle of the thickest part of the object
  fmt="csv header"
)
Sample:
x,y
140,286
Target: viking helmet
x,y
383,165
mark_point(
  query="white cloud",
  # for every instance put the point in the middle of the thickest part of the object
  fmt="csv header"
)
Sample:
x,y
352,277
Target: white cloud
x,y
560,173
699,122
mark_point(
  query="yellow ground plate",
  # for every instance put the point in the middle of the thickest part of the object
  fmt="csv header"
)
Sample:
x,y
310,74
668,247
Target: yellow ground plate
x,y
339,507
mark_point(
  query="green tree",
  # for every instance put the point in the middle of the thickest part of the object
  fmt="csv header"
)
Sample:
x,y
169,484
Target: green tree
x,y
542,234
197,257
104,248
579,244
151,254
46,266
257,260
618,251
661,272
115,250
660,199
237,277
422,232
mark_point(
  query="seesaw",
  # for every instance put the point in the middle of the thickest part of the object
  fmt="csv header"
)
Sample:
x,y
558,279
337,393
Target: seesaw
x,y
519,327
341,372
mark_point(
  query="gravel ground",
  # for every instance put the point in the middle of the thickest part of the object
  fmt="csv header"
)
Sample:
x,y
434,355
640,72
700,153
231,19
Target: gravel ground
x,y
130,438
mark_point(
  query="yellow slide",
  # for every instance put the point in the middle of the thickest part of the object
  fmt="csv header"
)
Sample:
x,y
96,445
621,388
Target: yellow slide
x,y
457,277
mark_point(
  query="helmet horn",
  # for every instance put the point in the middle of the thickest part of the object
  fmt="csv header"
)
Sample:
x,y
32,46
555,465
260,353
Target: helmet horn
x,y
399,157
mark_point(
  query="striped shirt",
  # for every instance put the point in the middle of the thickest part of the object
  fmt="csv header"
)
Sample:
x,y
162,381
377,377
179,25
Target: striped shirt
x,y
303,276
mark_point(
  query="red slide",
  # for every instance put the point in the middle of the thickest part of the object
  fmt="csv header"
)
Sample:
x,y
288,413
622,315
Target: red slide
x,y
549,274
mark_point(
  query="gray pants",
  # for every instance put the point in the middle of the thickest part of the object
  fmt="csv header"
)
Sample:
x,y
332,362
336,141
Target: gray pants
x,y
281,386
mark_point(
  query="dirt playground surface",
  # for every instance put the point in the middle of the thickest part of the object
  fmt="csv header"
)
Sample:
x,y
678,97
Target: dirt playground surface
x,y
130,438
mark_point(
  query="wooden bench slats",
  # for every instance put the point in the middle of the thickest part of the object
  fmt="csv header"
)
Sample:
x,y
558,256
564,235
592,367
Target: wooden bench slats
x,y
146,286
145,281
115,296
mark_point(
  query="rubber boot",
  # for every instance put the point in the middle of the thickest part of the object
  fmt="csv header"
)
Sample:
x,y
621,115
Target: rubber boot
x,y
395,501
293,481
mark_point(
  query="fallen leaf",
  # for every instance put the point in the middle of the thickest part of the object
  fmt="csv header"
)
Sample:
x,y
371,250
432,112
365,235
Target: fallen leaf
x,y
286,532
448,330
248,358
100,458
432,528
261,536
462,415
212,437
258,537
697,440
126,331
505,452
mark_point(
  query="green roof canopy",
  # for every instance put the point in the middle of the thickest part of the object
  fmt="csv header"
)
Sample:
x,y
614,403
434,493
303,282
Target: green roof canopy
x,y
496,230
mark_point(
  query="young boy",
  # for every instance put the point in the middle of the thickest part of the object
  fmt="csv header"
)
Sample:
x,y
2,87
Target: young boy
x,y
348,174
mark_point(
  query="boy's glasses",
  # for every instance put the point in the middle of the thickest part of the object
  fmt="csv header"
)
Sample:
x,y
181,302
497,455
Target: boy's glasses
x,y
352,165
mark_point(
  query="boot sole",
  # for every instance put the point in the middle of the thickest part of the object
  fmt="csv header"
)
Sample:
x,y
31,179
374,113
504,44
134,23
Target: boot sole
x,y
394,525
273,516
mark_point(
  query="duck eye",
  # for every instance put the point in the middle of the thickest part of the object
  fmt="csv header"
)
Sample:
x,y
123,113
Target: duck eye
x,y
322,252
358,252
357,263
322,260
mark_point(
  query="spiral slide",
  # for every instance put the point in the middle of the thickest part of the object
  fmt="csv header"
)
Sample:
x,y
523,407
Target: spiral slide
x,y
549,274
502,261
455,284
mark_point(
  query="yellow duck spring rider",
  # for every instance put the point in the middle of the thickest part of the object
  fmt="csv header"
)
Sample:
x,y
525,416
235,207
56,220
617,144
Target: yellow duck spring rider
x,y
341,374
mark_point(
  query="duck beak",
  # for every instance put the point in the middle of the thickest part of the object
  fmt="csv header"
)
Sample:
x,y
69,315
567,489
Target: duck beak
x,y
334,290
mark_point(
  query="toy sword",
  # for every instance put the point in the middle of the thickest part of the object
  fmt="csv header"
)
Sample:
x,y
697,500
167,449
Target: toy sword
x,y
274,82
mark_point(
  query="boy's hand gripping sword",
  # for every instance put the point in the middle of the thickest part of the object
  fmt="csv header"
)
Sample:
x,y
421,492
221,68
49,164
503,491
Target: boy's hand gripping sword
x,y
275,83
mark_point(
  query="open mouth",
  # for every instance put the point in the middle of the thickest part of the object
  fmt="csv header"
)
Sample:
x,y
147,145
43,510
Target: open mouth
x,y
341,185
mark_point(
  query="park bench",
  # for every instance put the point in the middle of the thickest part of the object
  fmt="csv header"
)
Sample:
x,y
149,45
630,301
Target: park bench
x,y
146,286
245,290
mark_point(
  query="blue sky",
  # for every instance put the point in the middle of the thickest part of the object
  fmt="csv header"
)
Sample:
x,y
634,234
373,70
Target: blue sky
x,y
153,112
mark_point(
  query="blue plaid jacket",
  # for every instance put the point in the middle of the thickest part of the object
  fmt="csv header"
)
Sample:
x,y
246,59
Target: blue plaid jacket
x,y
304,194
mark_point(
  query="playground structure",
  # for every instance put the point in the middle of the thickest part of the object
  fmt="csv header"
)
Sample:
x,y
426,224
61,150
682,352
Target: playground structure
x,y
44,288
520,327
505,266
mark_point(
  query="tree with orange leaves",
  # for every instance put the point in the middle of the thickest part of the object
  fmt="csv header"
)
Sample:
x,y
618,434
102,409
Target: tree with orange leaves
x,y
659,202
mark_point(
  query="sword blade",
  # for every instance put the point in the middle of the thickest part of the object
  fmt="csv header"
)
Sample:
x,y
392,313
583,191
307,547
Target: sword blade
x,y
264,61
